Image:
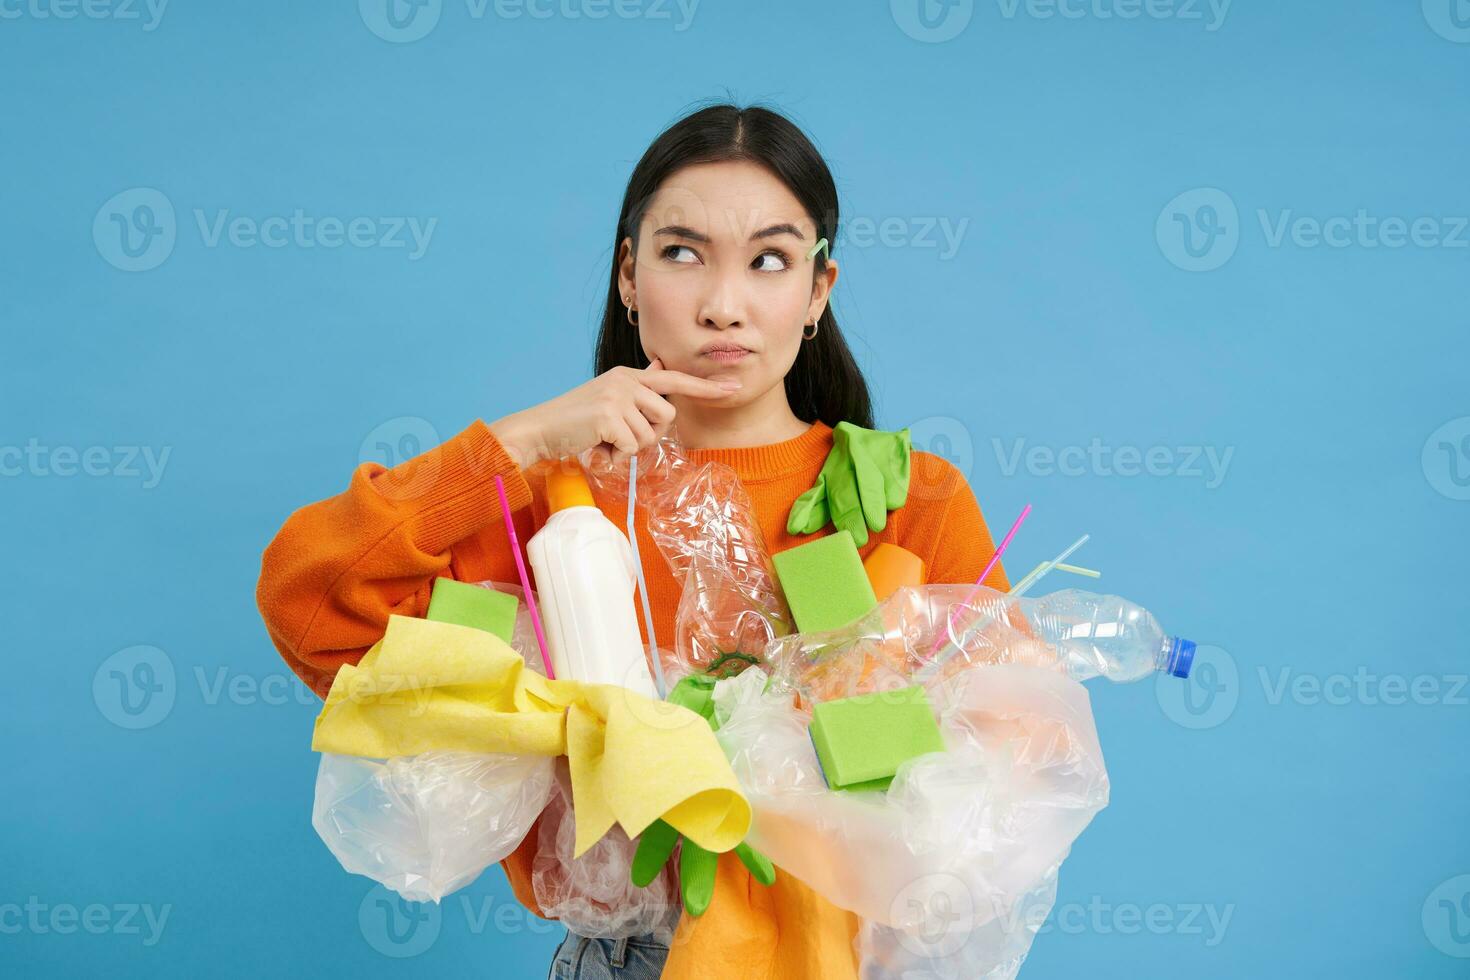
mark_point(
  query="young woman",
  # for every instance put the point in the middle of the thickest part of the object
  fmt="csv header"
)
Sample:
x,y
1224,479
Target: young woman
x,y
718,317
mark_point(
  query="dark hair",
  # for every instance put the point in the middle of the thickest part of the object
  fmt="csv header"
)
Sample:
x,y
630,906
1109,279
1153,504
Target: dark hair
x,y
825,382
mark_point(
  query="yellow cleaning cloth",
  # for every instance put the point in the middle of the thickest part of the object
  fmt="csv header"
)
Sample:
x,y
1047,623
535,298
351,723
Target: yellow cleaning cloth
x,y
429,685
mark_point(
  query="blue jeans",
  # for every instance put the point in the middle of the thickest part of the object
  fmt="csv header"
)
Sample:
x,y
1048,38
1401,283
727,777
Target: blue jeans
x,y
580,958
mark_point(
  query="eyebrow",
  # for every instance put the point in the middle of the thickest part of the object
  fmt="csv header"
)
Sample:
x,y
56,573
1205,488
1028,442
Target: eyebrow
x,y
682,231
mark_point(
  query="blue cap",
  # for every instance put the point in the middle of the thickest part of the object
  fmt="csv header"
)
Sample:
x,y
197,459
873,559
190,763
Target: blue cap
x,y
1181,657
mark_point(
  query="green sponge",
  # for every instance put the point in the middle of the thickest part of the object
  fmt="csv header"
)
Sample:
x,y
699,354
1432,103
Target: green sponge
x,y
860,741
470,605
825,583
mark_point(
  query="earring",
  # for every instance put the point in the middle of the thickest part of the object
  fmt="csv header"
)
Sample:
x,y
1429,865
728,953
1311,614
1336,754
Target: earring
x,y
630,312
809,336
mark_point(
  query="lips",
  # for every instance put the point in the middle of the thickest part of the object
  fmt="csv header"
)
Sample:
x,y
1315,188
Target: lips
x,y
725,353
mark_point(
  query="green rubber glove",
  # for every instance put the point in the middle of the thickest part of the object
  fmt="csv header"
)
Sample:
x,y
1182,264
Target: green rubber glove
x,y
865,476
696,865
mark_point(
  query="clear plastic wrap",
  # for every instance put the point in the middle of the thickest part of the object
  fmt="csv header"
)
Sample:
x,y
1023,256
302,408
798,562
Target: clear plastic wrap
x,y
952,869
1021,776
954,947
593,895
702,521
895,644
949,866
934,632
427,825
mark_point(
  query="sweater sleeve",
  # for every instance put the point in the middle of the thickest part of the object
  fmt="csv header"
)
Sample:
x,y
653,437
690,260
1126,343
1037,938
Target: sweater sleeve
x,y
339,567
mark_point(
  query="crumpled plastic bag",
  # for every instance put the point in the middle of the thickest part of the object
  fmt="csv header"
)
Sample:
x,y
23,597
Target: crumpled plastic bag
x,y
429,824
594,895
964,841
952,946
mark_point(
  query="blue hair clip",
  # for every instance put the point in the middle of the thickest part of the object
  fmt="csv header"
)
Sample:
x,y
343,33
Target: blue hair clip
x,y
821,246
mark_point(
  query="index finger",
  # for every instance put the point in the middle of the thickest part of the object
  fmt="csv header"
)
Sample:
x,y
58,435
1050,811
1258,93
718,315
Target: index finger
x,y
668,382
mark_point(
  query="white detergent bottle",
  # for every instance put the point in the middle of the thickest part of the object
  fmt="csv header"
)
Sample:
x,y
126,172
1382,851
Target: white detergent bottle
x,y
584,585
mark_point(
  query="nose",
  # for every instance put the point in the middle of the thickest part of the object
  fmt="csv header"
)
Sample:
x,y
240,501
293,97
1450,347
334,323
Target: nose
x,y
724,303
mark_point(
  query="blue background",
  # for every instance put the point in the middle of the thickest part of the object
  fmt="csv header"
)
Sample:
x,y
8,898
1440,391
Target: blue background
x,y
1333,545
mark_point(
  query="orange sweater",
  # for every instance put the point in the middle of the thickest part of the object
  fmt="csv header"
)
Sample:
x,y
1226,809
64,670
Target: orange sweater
x,y
340,566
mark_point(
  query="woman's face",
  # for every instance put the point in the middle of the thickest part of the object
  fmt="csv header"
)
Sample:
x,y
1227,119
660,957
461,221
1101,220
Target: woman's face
x,y
721,284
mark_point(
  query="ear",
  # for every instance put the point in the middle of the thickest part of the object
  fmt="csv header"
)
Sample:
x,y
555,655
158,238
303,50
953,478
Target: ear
x,y
821,291
626,265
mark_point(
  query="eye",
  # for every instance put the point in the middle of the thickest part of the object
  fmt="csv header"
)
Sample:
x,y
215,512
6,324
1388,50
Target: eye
x,y
668,252
778,255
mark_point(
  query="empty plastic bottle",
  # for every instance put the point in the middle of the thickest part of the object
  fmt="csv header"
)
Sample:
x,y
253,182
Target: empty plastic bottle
x,y
1104,636
584,579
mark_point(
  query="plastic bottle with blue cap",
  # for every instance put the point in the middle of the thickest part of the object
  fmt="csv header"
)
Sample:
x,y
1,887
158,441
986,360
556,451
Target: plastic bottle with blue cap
x,y
1105,636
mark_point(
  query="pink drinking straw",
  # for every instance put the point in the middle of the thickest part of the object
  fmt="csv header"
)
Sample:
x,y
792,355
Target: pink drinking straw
x,y
1004,544
515,549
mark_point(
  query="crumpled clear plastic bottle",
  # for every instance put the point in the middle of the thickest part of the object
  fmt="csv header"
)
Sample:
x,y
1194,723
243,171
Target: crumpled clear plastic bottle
x,y
702,521
932,632
1092,635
